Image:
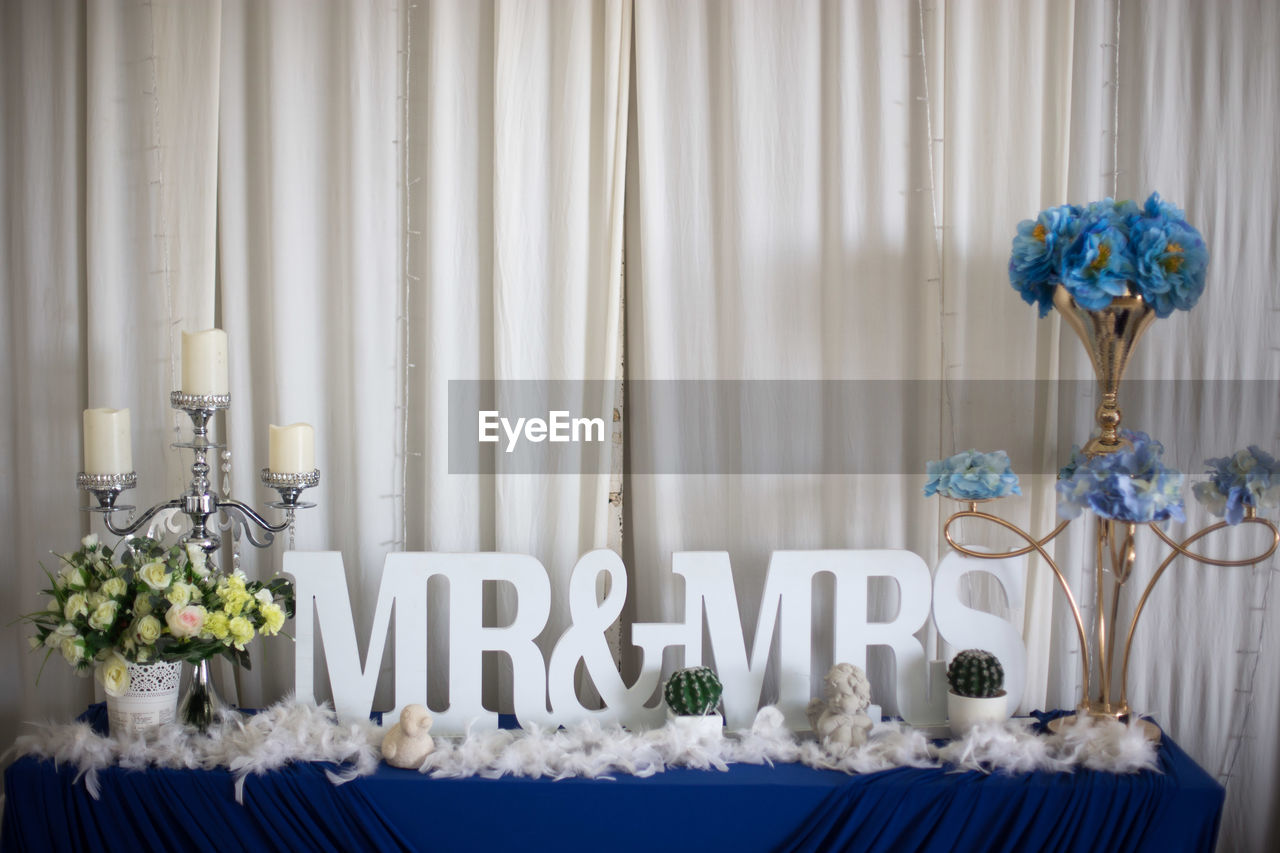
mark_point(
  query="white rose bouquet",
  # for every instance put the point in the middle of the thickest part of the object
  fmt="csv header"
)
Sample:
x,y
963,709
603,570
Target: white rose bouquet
x,y
149,603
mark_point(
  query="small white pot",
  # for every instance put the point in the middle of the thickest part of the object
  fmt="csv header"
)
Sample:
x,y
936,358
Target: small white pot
x,y
965,712
703,728
151,700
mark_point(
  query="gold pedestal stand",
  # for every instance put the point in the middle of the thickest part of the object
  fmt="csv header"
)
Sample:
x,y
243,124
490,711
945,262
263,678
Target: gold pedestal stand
x,y
1109,334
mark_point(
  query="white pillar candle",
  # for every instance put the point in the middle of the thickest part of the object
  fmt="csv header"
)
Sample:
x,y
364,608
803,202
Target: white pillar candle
x,y
204,362
108,447
291,449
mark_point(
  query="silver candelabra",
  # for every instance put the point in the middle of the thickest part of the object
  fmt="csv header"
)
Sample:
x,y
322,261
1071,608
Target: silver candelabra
x,y
199,502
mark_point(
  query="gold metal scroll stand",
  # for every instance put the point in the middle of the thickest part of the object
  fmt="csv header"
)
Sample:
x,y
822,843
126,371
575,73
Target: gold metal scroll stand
x,y
1115,541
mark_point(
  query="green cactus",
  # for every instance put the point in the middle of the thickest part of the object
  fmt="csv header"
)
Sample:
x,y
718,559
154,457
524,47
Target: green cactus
x,y
693,692
976,673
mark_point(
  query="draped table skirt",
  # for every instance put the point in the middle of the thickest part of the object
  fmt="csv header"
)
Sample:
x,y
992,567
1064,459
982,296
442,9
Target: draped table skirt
x,y
786,807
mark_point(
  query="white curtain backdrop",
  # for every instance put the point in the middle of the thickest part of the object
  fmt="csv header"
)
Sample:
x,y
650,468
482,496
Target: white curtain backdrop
x,y
377,198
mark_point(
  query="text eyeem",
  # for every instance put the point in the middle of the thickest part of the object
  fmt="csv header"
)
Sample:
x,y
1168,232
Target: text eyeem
x,y
556,427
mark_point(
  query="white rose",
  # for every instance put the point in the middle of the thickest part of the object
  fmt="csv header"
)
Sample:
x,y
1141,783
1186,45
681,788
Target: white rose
x,y
57,635
142,604
90,541
154,575
114,587
147,630
74,577
179,594
73,650
263,595
115,675
105,615
77,605
198,558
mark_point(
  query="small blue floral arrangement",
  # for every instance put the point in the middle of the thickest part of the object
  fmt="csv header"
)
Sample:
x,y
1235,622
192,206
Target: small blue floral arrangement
x,y
1098,250
1250,478
972,476
1127,485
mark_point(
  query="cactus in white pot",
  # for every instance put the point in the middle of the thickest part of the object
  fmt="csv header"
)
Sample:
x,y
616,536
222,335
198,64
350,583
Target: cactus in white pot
x,y
977,692
692,696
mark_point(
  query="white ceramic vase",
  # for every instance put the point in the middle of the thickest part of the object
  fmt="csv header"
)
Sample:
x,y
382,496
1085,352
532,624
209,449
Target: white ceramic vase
x,y
151,700
965,712
703,728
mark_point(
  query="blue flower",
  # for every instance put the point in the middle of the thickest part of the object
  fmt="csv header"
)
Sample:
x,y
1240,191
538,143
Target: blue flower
x,y
1037,254
1108,249
1250,478
972,476
1095,267
1128,485
1170,258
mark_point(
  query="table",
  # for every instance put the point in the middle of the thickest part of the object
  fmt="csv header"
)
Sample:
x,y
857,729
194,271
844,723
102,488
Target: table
x,y
786,808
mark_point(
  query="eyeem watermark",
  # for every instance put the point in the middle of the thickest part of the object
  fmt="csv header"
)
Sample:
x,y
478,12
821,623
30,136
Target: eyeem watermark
x,y
832,427
557,427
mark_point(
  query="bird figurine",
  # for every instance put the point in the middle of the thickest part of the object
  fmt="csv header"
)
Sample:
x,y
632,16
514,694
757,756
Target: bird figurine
x,y
408,743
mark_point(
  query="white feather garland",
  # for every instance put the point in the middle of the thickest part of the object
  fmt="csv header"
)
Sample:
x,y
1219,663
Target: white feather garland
x,y
247,745
296,731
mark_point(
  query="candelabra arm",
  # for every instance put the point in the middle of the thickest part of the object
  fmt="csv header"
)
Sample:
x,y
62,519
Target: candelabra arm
x,y
130,529
1036,545
247,514
1180,550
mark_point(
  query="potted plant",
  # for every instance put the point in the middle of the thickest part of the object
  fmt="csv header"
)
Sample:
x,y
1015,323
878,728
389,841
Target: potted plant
x,y
692,696
977,691
133,614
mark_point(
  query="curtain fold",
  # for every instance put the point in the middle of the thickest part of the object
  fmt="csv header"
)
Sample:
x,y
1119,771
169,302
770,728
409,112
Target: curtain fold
x,y
310,279
517,141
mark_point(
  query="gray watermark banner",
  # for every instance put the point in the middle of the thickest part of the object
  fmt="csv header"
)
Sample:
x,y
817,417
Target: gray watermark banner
x,y
803,427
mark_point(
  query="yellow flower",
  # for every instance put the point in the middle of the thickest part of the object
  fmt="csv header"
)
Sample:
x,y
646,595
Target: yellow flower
x,y
241,631
114,587
154,575
216,625
272,619
234,601
115,675
231,583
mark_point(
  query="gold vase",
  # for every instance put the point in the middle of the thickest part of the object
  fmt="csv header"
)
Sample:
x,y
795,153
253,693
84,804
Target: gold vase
x,y
1109,335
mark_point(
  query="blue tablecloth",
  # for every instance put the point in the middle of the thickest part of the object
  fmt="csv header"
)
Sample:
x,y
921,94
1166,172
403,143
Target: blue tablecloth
x,y
787,807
